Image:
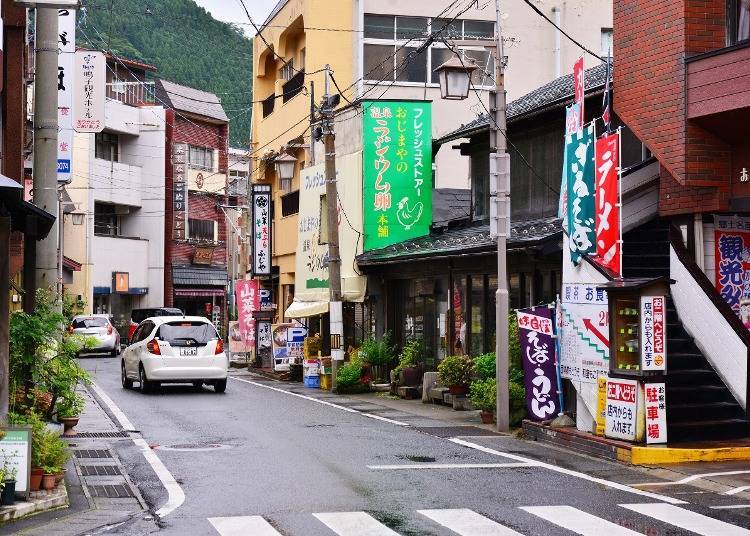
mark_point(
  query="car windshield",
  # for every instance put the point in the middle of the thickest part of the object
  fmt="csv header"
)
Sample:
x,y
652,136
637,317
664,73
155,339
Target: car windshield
x,y
187,333
93,322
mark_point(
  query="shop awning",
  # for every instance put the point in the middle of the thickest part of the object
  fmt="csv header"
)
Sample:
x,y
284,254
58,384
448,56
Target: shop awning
x,y
301,309
199,292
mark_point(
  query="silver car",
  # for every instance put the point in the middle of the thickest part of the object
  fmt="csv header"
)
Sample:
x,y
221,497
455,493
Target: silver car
x,y
99,329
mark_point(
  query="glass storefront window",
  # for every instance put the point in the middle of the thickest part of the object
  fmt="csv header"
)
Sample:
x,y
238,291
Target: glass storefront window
x,y
459,315
478,310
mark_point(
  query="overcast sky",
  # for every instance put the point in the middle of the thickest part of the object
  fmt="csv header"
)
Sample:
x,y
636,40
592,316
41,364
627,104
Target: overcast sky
x,y
231,11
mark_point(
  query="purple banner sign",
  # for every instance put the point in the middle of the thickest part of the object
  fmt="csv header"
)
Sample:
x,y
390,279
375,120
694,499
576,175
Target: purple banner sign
x,y
535,330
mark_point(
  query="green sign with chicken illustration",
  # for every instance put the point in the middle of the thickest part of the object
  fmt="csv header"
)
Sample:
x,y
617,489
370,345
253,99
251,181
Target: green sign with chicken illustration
x,y
397,171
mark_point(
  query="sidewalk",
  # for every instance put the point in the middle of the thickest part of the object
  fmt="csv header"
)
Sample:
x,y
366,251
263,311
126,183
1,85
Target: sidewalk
x,y
99,490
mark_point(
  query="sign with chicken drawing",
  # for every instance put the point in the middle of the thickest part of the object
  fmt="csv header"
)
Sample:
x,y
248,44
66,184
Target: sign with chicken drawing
x,y
396,171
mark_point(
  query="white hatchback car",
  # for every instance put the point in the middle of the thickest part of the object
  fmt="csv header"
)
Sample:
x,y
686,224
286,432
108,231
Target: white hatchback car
x,y
175,349
98,329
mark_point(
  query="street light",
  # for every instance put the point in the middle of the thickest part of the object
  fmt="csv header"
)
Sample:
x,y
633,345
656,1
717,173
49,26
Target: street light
x,y
285,169
77,217
455,78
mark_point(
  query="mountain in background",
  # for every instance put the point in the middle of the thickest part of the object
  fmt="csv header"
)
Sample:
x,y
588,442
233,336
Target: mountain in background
x,y
185,43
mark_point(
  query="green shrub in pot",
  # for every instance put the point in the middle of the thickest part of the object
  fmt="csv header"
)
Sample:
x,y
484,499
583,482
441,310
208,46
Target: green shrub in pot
x,y
456,370
483,394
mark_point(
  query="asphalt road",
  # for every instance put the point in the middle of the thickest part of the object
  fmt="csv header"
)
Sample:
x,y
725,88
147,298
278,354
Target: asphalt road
x,y
261,461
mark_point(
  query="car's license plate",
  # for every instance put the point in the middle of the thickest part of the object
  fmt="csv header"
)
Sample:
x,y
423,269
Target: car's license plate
x,y
188,351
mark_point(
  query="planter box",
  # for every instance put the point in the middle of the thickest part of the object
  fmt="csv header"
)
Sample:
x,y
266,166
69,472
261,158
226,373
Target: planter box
x,y
409,393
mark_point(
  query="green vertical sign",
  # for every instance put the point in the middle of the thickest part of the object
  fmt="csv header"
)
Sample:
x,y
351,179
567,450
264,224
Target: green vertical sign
x,y
397,171
579,162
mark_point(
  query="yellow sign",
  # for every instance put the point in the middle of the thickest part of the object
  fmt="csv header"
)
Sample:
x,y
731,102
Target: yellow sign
x,y
601,404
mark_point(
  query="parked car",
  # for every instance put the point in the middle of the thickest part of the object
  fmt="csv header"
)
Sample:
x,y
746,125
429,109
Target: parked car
x,y
99,328
175,349
139,315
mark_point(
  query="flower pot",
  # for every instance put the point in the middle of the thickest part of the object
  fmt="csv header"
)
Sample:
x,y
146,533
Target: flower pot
x,y
59,477
8,495
48,481
487,417
458,389
69,424
35,481
411,376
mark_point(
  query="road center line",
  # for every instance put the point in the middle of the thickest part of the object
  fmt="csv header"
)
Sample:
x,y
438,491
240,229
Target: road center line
x,y
731,507
449,466
175,494
569,472
324,402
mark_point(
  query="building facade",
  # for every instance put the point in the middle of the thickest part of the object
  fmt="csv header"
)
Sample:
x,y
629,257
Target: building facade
x,y
118,187
196,232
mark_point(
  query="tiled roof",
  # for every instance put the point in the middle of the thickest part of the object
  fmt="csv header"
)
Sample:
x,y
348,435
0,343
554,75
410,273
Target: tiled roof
x,y
449,204
556,93
191,100
199,276
468,240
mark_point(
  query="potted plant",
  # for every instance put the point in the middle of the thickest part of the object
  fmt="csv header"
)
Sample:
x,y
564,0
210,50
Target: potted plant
x,y
349,377
455,372
411,362
8,483
58,455
68,412
379,354
48,478
483,396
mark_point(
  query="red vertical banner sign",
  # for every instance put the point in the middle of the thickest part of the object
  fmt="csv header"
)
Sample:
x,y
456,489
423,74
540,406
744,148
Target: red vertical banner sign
x,y
579,85
608,230
248,301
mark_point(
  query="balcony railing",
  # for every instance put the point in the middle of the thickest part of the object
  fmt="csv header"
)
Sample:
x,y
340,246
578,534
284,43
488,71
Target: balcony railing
x,y
268,104
132,93
293,86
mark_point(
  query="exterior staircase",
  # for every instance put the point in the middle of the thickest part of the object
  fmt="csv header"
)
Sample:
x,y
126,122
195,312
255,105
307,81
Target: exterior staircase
x,y
699,406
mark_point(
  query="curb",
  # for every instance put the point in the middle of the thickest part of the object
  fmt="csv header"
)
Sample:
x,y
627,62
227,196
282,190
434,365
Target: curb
x,y
22,509
669,455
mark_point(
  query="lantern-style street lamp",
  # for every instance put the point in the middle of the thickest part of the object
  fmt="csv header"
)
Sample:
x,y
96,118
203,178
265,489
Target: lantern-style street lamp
x,y
455,77
77,217
285,170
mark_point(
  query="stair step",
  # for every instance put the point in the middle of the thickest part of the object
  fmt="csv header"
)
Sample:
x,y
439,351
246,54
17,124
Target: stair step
x,y
677,394
716,429
703,411
645,272
693,377
684,361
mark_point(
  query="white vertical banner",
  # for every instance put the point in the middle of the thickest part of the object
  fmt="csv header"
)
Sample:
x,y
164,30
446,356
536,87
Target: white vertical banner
x,y
656,413
66,48
653,333
90,83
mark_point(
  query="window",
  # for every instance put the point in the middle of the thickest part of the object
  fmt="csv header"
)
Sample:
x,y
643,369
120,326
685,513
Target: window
x,y
287,71
187,333
106,221
202,230
107,146
391,40
738,21
606,42
302,57
290,204
201,158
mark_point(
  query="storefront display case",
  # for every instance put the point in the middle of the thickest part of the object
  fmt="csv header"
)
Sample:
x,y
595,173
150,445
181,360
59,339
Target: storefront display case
x,y
637,327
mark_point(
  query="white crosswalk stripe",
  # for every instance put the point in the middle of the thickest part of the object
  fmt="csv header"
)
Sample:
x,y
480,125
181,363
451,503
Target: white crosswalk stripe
x,y
243,526
578,521
354,524
687,519
468,523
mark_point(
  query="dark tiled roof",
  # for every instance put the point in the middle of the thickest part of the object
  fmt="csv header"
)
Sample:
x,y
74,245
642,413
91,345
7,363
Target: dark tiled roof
x,y
556,92
450,204
468,240
191,100
199,276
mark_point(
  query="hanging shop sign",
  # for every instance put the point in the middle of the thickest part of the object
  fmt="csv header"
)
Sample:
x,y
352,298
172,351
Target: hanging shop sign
x,y
656,412
90,84
15,454
397,171
622,409
732,263
584,344
66,51
261,229
203,255
248,301
579,85
179,191
608,239
653,333
312,255
579,161
536,336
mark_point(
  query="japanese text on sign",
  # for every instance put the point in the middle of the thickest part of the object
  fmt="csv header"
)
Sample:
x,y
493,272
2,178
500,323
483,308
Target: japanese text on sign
x,y
656,413
584,339
179,191
607,202
261,232
538,354
66,48
653,333
732,254
622,409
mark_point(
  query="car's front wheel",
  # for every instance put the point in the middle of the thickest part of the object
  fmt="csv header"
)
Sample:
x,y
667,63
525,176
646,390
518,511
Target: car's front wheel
x,y
220,386
127,383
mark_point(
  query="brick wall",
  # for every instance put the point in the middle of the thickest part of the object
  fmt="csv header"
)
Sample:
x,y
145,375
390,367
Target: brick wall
x,y
203,207
652,39
203,134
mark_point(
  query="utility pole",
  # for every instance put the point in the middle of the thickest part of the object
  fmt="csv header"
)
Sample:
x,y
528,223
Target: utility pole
x,y
500,199
45,140
336,316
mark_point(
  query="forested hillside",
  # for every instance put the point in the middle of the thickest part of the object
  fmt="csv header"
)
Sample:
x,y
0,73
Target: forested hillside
x,y
184,42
